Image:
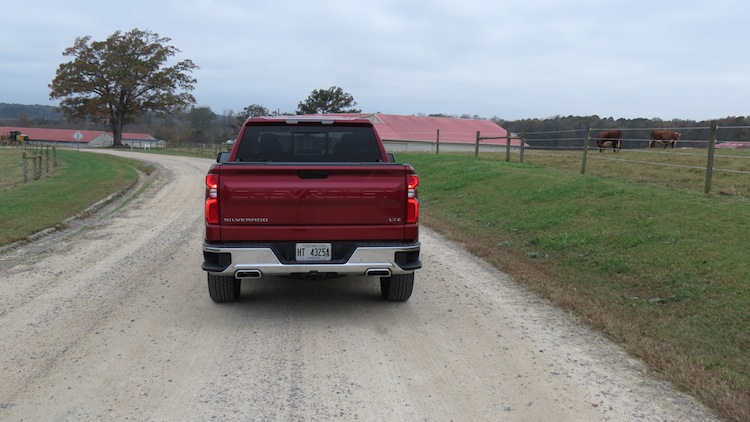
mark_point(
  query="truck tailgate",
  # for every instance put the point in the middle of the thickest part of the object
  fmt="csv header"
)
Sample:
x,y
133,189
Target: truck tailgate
x,y
313,202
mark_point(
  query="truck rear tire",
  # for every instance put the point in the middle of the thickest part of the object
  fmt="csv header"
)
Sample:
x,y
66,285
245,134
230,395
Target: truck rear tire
x,y
223,288
397,287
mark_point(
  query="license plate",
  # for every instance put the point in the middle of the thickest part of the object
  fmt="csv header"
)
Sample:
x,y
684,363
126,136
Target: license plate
x,y
313,251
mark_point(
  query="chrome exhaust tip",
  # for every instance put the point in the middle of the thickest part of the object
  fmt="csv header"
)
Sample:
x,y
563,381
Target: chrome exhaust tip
x,y
248,274
378,272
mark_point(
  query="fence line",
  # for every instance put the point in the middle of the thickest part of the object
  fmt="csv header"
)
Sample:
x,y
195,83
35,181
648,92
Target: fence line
x,y
558,155
681,140
556,131
200,149
735,127
635,128
38,157
657,128
533,149
709,168
676,165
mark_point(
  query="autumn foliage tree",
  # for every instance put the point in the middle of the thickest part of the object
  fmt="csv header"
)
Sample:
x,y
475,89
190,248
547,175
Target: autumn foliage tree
x,y
121,78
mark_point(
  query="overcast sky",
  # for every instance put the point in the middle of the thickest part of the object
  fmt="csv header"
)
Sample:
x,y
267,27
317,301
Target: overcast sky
x,y
511,59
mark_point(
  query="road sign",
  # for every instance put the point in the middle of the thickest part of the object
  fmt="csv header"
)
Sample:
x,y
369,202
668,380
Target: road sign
x,y
78,135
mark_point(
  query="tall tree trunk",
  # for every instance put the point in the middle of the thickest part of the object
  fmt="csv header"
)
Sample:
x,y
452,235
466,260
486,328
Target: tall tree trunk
x,y
117,124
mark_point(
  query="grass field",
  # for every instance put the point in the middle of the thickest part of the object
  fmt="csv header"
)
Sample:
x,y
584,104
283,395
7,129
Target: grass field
x,y
661,270
634,250
79,181
636,166
11,173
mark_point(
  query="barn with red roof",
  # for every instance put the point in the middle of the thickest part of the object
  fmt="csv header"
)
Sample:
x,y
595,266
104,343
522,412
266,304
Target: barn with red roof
x,y
420,133
87,138
734,145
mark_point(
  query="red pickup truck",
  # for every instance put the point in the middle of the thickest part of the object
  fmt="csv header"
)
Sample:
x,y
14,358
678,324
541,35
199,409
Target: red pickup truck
x,y
310,197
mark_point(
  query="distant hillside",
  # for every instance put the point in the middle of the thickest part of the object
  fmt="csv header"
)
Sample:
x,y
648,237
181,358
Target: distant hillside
x,y
41,112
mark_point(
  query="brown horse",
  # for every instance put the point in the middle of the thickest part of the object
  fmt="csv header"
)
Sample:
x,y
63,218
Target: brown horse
x,y
666,137
612,137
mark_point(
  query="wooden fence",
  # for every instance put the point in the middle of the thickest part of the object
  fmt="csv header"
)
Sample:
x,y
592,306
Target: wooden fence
x,y
40,158
575,145
199,149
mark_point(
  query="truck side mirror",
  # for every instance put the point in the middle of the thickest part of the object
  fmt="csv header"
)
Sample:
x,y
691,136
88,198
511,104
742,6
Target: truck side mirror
x,y
223,156
391,157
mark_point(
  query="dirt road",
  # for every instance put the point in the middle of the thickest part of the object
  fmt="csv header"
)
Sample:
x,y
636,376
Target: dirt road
x,y
111,320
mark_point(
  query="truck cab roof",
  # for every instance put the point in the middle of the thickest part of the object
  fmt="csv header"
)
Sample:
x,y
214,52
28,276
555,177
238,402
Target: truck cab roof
x,y
318,118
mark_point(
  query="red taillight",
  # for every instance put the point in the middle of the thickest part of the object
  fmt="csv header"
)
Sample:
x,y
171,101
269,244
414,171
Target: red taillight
x,y
212,199
412,211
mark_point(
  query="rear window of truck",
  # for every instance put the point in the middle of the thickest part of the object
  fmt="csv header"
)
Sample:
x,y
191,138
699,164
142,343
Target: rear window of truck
x,y
308,143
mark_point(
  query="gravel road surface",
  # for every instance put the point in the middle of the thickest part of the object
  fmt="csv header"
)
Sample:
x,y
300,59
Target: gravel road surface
x,y
110,319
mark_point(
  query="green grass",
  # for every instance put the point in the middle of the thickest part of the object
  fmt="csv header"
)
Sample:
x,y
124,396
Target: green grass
x,y
635,251
11,173
661,270
634,167
80,180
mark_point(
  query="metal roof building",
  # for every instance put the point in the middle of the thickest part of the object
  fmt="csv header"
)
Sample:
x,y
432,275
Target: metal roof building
x,y
68,137
420,133
734,145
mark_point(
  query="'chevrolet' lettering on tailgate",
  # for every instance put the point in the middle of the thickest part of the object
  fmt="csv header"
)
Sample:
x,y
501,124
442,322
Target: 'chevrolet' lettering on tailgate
x,y
314,194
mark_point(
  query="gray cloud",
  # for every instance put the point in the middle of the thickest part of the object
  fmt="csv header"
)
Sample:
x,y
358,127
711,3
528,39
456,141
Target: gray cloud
x,y
513,60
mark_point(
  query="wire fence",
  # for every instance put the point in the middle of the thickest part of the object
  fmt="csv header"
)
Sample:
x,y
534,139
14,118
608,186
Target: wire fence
x,y
635,147
211,150
40,162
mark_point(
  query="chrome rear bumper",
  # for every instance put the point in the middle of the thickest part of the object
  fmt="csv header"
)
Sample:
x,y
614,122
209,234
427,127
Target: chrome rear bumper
x,y
256,262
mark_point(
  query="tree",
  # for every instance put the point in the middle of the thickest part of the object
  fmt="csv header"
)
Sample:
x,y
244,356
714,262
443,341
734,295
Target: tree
x,y
201,118
202,122
326,101
23,119
253,110
121,78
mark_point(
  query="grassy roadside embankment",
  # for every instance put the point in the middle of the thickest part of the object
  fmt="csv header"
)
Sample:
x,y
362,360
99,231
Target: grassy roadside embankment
x,y
79,181
661,270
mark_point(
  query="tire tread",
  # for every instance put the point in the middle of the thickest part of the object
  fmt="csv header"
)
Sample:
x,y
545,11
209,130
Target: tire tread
x,y
397,287
223,288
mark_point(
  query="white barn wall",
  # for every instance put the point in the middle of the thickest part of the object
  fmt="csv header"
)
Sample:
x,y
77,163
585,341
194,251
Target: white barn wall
x,y
103,140
422,146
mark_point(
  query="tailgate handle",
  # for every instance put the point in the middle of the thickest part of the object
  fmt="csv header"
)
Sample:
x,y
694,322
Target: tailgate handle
x,y
313,174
